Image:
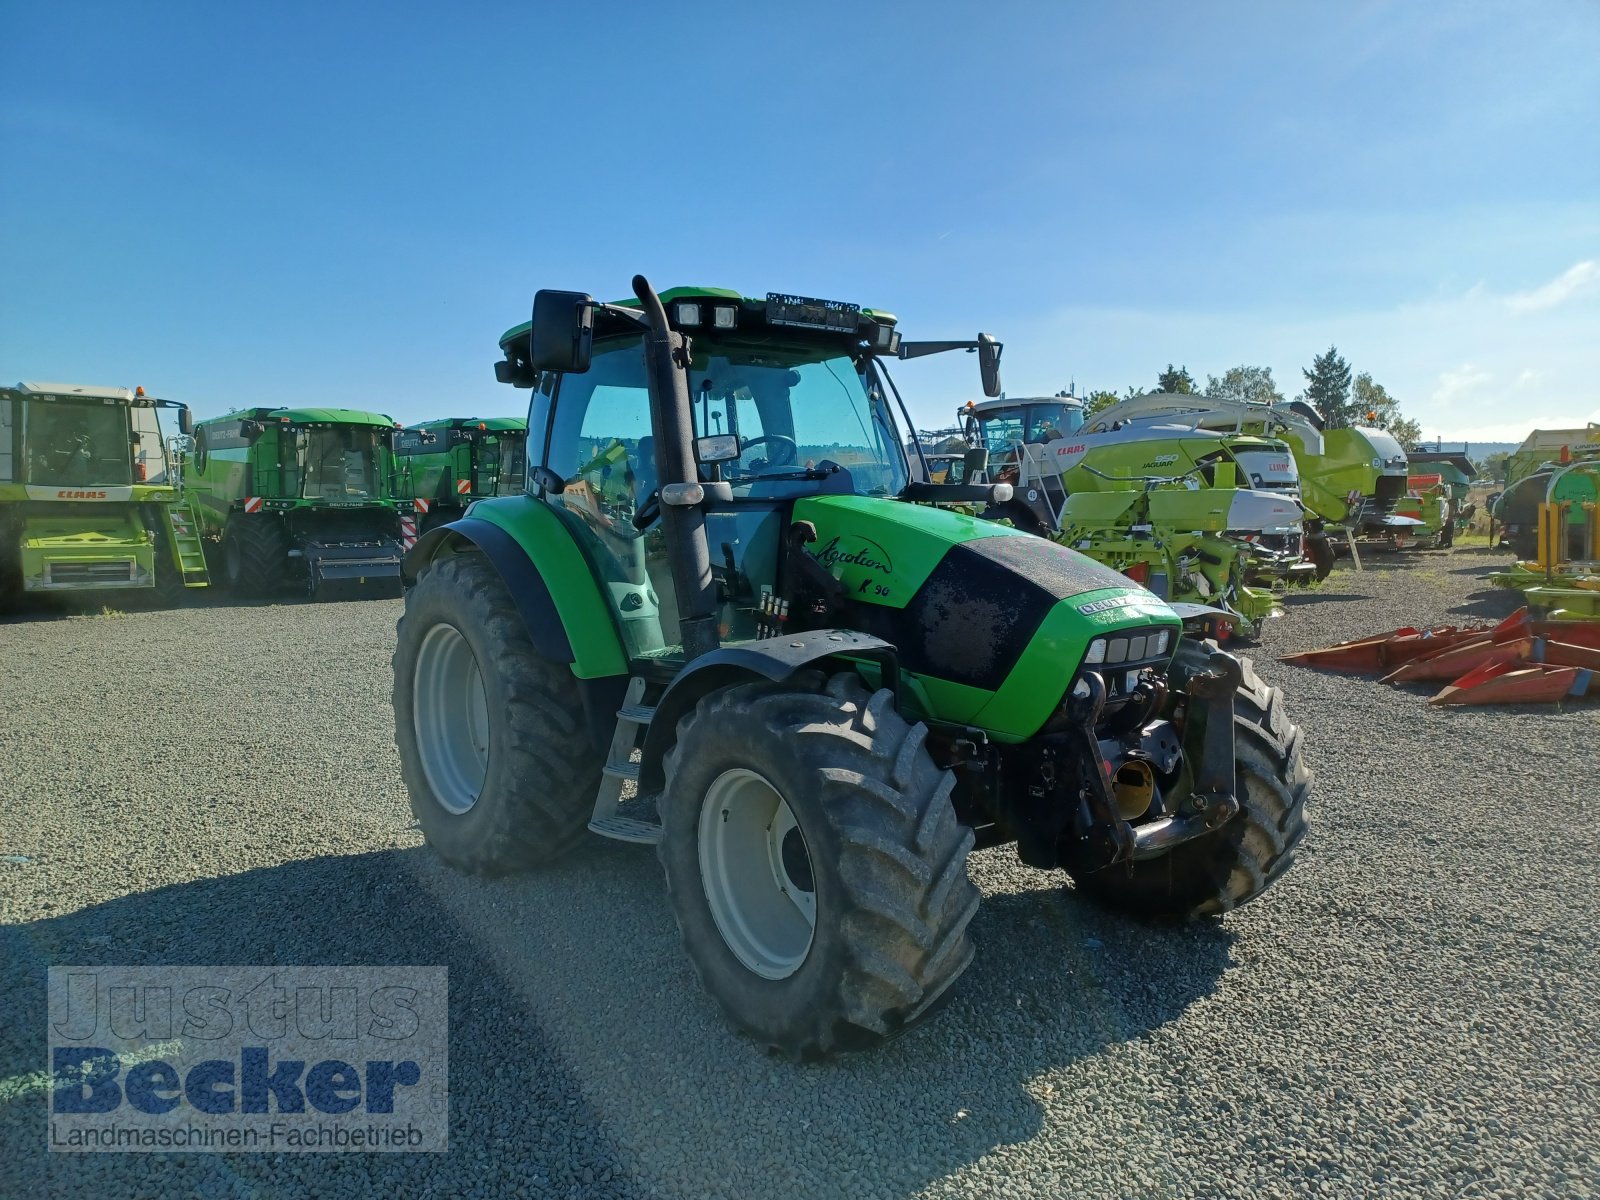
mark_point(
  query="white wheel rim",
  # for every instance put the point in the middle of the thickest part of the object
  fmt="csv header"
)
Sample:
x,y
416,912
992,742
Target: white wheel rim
x,y
450,716
757,874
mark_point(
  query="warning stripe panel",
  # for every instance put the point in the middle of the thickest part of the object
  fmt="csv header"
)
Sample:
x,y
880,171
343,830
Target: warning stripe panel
x,y
464,486
423,503
252,504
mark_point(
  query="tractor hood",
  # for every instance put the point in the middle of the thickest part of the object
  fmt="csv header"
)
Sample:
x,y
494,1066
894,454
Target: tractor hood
x,y
991,623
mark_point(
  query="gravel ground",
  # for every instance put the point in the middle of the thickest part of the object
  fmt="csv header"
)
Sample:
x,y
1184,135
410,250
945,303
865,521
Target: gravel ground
x,y
1412,1011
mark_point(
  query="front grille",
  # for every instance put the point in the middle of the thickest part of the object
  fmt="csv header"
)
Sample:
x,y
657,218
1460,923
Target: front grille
x,y
92,572
1132,648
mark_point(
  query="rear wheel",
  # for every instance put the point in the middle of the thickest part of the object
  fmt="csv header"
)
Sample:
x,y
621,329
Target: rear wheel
x,y
815,864
493,746
255,550
1239,861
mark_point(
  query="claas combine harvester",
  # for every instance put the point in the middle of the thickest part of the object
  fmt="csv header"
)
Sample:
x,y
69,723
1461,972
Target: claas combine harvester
x,y
727,620
89,495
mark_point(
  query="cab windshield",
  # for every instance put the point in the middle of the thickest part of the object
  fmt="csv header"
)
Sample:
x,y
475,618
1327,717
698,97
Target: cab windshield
x,y
502,463
71,444
1029,424
332,463
802,414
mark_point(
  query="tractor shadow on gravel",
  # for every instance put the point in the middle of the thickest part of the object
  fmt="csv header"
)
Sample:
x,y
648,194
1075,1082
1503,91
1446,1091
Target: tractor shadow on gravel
x,y
581,1042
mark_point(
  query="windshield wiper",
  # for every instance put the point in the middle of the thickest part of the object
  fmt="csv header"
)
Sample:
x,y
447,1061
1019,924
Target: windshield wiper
x,y
821,472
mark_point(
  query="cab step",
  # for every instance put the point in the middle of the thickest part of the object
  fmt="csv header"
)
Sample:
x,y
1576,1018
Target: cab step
x,y
620,770
186,546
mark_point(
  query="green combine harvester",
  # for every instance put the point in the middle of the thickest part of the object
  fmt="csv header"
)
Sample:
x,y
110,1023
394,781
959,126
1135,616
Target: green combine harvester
x,y
89,495
1351,479
729,620
451,462
301,497
1192,514
1528,473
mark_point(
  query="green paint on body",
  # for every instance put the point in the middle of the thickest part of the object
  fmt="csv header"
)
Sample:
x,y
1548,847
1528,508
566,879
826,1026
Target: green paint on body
x,y
584,611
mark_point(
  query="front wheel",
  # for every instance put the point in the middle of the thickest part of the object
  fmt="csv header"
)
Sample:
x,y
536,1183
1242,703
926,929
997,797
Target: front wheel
x,y
1239,861
815,864
493,748
255,554
1320,551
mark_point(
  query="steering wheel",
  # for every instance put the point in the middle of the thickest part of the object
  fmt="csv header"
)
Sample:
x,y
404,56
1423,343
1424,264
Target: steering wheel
x,y
786,450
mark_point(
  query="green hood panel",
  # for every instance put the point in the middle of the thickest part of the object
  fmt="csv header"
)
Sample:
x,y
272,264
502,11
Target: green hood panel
x,y
883,550
990,623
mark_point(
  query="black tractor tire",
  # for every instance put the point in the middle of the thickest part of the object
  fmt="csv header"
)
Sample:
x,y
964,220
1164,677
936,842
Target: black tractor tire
x,y
255,555
169,591
885,852
1320,552
1236,863
542,772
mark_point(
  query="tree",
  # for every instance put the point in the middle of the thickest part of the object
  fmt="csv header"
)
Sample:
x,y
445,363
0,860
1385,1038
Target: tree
x,y
1328,389
1095,401
1244,383
1493,466
1178,380
1371,404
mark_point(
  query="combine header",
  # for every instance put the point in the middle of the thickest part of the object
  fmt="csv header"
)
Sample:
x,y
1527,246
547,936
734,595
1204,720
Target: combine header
x,y
1522,660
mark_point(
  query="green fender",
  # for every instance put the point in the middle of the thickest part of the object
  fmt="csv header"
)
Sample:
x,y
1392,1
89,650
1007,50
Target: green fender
x,y
553,584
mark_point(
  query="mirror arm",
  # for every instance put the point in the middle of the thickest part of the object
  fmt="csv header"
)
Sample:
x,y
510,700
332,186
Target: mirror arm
x,y
922,349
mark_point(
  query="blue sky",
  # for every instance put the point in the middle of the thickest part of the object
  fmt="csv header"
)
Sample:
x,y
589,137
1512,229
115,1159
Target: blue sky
x,y
238,204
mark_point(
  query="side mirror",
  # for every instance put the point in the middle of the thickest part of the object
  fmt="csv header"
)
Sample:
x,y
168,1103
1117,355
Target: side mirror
x,y
563,331
975,464
185,421
989,364
718,448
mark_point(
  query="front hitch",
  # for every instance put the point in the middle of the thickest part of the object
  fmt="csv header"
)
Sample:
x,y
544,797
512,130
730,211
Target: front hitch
x,y
1212,803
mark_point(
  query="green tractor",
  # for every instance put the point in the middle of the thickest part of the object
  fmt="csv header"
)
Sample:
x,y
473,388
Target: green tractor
x,y
726,620
301,497
451,462
89,495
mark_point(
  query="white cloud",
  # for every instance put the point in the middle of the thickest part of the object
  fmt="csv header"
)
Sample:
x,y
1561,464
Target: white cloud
x,y
1510,431
1573,281
1462,383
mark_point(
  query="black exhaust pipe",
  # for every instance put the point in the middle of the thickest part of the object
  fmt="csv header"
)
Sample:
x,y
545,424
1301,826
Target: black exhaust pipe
x,y
667,356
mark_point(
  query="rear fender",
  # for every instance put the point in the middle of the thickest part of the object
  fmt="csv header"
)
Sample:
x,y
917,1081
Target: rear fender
x,y
567,623
774,659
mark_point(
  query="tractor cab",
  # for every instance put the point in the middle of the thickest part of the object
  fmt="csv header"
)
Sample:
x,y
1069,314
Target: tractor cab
x,y
776,417
1004,426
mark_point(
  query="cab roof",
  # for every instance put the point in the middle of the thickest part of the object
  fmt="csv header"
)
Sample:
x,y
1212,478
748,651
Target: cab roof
x,y
750,307
492,424
1008,402
308,416
40,388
